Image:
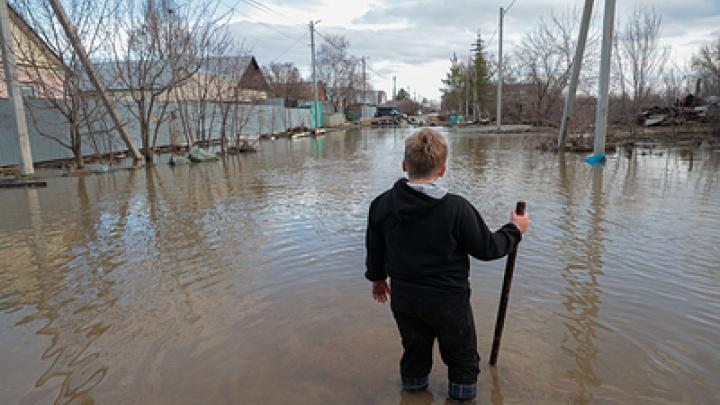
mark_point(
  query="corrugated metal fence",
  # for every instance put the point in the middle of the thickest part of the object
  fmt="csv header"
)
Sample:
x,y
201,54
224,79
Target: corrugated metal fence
x,y
46,124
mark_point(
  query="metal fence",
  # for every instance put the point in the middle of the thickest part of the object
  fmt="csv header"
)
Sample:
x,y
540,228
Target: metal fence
x,y
46,123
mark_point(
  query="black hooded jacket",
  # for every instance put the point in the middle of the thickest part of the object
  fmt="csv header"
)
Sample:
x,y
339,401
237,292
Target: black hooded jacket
x,y
422,243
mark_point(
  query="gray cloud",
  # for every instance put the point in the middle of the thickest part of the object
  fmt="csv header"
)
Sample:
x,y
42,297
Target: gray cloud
x,y
409,46
437,29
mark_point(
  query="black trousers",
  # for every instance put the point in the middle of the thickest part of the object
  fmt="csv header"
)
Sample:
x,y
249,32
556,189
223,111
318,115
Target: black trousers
x,y
423,319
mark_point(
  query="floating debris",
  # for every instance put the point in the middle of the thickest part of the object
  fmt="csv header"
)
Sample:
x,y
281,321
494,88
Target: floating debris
x,y
21,182
178,160
198,155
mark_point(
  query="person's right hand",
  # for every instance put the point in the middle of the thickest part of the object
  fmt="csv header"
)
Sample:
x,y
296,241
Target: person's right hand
x,y
521,221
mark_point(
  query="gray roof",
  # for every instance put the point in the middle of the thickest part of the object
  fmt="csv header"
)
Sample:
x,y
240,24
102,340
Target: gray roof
x,y
118,76
227,65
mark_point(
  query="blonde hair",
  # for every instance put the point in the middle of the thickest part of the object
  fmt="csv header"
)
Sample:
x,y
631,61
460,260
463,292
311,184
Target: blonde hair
x,y
425,153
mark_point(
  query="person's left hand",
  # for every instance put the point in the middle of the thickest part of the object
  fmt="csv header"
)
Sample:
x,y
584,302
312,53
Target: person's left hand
x,y
380,291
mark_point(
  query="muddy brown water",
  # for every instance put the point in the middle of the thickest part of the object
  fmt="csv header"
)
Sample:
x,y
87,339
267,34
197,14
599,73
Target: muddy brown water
x,y
241,281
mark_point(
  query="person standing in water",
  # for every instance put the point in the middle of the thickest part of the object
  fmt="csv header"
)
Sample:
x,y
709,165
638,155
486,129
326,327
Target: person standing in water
x,y
420,236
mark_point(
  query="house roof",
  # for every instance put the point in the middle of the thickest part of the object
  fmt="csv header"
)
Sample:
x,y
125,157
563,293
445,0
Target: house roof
x,y
33,35
228,65
117,75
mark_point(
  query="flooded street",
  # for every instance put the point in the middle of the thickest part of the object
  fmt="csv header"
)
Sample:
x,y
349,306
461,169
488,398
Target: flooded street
x,y
241,281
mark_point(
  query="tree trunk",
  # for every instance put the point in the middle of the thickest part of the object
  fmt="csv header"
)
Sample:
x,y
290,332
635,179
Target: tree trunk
x,y
76,146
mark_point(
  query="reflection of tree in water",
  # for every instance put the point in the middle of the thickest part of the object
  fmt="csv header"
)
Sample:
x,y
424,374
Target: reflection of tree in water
x,y
582,255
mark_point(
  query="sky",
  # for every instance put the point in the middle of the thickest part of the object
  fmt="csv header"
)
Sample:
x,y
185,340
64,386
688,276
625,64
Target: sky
x,y
415,39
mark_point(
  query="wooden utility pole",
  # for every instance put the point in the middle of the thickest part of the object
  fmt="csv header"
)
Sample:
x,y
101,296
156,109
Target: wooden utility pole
x,y
314,80
601,111
575,78
13,89
92,75
500,71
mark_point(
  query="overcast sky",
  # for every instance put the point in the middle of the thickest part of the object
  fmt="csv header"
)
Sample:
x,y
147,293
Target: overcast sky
x,y
414,40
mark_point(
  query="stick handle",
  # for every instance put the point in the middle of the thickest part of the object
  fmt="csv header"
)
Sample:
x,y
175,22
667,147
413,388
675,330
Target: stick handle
x,y
505,294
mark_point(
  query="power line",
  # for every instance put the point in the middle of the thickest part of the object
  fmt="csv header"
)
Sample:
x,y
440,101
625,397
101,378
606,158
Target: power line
x,y
262,7
509,6
234,9
505,10
342,50
275,59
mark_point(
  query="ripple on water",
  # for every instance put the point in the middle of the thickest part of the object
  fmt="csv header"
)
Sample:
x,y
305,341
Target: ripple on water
x,y
217,280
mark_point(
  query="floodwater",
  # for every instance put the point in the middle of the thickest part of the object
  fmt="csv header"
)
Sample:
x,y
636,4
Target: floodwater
x,y
241,281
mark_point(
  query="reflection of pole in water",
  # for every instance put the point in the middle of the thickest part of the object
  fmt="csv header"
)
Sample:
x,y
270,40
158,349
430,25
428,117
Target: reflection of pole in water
x,y
73,319
496,396
318,147
583,266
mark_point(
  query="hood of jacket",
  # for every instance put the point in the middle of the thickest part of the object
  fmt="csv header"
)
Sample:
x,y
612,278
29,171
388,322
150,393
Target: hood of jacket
x,y
410,202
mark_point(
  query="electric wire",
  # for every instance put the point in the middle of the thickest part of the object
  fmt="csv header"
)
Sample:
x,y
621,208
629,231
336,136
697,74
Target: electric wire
x,y
277,58
340,49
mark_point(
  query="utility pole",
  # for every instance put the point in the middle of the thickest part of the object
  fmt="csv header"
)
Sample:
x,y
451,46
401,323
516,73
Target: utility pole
x,y
394,87
364,83
467,90
13,89
476,118
574,79
601,111
314,80
92,75
500,72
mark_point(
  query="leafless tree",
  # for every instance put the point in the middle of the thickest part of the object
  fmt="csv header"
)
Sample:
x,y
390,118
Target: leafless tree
x,y
158,53
285,81
706,66
58,74
340,71
640,59
674,84
545,58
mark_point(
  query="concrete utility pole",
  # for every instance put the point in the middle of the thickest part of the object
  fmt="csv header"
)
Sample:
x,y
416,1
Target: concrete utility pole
x,y
500,71
314,80
476,118
394,87
13,88
575,78
467,90
601,111
99,88
364,96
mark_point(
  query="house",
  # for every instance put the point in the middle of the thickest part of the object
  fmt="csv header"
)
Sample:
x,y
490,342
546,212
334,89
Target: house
x,y
344,97
231,74
373,97
40,70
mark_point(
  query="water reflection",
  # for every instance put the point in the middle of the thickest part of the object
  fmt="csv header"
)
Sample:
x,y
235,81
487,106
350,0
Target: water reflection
x,y
73,320
240,281
582,273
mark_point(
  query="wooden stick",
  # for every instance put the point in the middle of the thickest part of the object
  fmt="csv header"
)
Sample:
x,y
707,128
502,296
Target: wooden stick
x,y
505,295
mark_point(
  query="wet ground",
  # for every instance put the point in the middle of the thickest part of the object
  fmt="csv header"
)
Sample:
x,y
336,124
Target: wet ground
x,y
241,281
